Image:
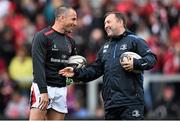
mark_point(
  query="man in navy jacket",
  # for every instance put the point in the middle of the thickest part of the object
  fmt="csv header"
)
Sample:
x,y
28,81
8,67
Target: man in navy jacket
x,y
122,89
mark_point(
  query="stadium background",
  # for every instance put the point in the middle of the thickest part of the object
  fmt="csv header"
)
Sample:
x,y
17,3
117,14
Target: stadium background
x,y
157,21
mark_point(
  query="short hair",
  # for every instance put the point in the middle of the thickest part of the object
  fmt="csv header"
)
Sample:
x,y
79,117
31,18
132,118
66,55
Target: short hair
x,y
119,16
61,10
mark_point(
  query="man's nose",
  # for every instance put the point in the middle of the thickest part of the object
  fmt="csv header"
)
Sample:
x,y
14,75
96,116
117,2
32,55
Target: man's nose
x,y
105,26
75,23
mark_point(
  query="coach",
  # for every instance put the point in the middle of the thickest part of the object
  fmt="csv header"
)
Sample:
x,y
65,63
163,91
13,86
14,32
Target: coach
x,y
122,89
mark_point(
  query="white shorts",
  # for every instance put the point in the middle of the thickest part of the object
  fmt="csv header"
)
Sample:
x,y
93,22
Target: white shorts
x,y
57,98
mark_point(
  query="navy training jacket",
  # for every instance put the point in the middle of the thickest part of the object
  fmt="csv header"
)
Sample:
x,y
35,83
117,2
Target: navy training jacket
x,y
119,86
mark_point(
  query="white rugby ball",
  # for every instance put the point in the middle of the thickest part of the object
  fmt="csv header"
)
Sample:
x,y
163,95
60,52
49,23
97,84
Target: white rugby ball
x,y
126,57
77,61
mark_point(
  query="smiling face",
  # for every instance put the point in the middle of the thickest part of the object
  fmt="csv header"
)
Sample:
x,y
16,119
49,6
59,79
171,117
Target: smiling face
x,y
66,20
70,21
113,25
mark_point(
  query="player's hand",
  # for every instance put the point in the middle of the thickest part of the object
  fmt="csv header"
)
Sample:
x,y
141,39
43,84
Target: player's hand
x,y
44,100
67,72
128,64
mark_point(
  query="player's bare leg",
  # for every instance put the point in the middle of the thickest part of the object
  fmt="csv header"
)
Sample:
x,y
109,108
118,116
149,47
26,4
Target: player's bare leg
x,y
37,114
54,115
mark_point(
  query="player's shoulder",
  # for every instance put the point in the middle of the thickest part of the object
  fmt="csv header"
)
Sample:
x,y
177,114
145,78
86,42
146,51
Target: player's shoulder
x,y
42,35
133,35
135,38
130,34
47,31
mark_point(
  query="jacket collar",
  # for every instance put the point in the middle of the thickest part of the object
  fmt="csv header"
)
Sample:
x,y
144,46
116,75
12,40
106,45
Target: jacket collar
x,y
117,38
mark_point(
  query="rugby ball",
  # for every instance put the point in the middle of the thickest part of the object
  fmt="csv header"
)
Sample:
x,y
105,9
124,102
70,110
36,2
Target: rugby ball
x,y
77,61
126,57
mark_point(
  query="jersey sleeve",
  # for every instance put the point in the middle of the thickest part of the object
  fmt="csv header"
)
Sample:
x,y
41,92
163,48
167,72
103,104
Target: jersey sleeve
x,y
39,56
148,59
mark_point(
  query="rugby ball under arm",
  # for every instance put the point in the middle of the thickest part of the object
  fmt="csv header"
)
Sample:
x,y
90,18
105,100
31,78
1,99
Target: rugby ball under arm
x,y
126,56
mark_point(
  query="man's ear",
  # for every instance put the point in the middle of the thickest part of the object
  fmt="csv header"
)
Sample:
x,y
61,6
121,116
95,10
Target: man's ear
x,y
61,18
121,22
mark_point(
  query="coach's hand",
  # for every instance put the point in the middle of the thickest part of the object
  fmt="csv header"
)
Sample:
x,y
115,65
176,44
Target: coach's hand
x,y
44,100
67,72
128,65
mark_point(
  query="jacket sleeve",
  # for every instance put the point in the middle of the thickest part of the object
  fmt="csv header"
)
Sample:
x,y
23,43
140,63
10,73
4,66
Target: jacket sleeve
x,y
90,72
148,59
38,57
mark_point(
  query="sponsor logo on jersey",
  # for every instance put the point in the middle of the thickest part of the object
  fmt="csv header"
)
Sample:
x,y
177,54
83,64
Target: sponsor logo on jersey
x,y
123,47
58,60
105,48
54,48
63,56
69,48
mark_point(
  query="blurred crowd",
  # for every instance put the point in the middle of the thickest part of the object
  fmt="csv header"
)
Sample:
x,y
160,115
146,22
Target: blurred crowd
x,y
156,21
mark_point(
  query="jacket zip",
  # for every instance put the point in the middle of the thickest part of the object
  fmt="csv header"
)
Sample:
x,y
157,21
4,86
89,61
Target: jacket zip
x,y
114,55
